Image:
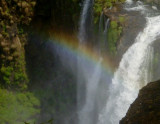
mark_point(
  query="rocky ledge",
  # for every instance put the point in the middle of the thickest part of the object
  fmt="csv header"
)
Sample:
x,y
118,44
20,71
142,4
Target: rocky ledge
x,y
130,24
146,108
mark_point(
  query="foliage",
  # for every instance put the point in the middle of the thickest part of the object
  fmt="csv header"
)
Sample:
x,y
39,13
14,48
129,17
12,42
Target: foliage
x,y
6,72
55,102
113,35
20,31
48,122
121,19
14,75
15,108
101,4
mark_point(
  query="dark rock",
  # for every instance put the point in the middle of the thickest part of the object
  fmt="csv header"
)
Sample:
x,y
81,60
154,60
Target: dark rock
x,y
146,108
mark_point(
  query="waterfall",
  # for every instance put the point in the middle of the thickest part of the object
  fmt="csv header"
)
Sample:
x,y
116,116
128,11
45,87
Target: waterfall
x,y
91,78
132,73
106,31
86,113
103,28
106,26
101,21
88,74
86,21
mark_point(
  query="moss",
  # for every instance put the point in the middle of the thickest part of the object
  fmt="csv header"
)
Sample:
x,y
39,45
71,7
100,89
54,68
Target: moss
x,y
20,31
6,72
101,4
121,19
14,75
113,35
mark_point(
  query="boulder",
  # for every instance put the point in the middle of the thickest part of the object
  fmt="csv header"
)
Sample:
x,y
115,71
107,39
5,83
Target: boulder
x,y
146,108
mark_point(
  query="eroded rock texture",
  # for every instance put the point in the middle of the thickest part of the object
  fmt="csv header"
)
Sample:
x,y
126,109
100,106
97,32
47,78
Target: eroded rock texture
x,y
146,108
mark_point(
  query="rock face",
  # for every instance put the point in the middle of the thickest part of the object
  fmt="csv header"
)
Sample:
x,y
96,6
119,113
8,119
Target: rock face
x,y
146,108
153,2
130,22
15,18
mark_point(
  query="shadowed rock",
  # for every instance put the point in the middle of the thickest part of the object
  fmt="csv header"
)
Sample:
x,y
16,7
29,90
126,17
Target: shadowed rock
x,y
146,108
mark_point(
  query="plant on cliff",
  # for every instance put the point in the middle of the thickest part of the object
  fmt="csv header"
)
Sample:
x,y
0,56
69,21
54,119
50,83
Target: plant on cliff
x,y
14,75
15,107
101,4
12,40
114,33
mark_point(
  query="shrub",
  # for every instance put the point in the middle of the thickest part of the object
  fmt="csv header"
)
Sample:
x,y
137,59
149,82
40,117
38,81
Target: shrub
x,y
15,108
14,75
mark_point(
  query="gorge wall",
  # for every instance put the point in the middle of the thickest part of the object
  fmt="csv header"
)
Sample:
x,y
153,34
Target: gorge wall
x,y
29,72
33,75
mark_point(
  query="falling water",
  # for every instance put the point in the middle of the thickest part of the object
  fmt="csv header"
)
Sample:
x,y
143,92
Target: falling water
x,y
101,21
88,74
86,113
106,26
106,31
132,74
86,21
91,77
103,28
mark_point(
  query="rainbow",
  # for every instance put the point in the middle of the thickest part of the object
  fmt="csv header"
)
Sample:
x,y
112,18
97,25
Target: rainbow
x,y
71,44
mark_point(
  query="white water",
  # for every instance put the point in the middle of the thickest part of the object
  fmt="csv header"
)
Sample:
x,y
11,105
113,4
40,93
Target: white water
x,y
101,19
132,74
86,20
91,78
103,28
86,113
106,26
88,73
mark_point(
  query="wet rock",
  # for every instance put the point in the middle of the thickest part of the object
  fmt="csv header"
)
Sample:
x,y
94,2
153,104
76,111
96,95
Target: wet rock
x,y
11,22
16,41
3,44
1,36
6,49
26,11
33,3
153,2
16,54
24,4
146,108
13,46
2,56
10,58
1,9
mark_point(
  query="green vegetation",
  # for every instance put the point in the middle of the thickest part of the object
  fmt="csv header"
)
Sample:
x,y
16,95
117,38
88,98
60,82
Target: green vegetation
x,y
17,104
113,35
121,19
48,122
101,4
116,24
17,107
6,72
14,75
